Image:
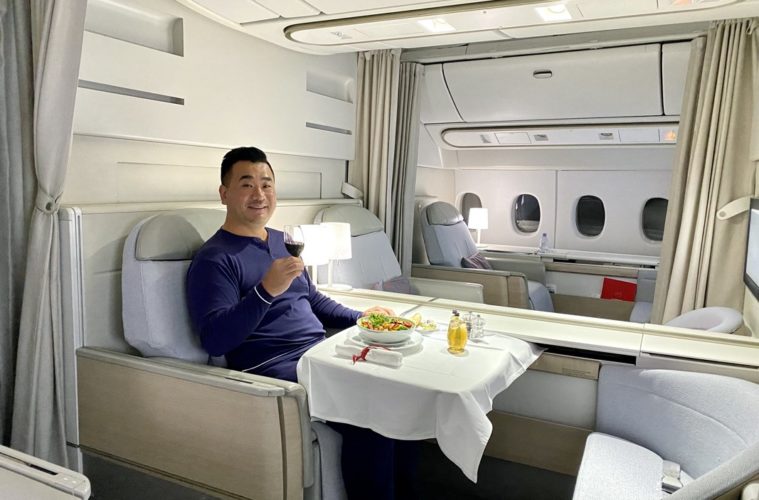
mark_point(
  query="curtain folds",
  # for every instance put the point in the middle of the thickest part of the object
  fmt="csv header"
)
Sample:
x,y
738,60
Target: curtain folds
x,y
17,187
702,256
38,414
376,108
400,223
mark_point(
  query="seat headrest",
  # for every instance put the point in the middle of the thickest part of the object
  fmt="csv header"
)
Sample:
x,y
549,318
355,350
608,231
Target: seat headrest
x,y
442,213
177,235
362,221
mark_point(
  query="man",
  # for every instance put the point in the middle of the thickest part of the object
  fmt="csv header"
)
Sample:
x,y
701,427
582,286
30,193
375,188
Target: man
x,y
252,302
248,298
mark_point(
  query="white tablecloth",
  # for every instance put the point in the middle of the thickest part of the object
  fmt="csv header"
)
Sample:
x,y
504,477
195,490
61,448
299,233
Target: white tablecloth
x,y
433,394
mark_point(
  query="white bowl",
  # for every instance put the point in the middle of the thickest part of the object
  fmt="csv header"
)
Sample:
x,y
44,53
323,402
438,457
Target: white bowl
x,y
385,336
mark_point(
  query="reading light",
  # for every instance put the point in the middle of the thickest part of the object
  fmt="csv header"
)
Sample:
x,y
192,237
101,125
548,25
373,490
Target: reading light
x,y
478,219
436,25
554,13
314,248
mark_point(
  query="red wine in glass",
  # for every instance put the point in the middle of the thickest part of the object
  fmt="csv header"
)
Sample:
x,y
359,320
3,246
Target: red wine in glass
x,y
294,240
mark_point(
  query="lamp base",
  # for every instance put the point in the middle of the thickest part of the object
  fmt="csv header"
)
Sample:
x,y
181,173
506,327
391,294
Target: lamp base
x,y
336,287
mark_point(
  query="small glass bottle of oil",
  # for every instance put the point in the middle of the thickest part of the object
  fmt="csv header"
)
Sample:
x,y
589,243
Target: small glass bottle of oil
x,y
457,334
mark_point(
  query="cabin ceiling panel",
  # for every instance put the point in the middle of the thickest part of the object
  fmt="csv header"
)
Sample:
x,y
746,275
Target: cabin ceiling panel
x,y
333,26
238,11
289,8
356,6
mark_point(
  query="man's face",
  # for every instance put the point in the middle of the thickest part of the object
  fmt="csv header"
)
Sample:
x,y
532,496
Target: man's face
x,y
249,195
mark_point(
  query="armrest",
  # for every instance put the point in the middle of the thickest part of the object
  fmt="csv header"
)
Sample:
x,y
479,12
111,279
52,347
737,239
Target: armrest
x,y
218,429
500,288
530,266
456,290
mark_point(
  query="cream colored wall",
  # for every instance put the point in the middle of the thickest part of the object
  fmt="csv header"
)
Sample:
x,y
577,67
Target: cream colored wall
x,y
751,312
164,92
436,182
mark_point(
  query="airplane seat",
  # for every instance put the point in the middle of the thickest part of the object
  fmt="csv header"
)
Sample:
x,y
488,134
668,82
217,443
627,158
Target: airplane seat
x,y
448,241
711,319
373,263
663,431
156,256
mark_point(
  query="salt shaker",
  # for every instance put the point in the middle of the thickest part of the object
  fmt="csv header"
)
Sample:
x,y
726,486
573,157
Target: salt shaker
x,y
477,330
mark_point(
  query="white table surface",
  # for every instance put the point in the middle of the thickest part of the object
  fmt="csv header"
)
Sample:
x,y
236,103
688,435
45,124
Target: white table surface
x,y
433,394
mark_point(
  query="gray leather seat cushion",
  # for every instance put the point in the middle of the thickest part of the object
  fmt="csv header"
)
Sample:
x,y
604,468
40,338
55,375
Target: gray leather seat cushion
x,y
698,420
362,221
613,468
446,236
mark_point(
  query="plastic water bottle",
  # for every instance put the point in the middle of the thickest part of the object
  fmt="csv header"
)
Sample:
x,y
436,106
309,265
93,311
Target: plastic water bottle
x,y
543,247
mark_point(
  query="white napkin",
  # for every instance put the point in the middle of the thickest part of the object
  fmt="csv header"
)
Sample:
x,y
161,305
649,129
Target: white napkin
x,y
375,355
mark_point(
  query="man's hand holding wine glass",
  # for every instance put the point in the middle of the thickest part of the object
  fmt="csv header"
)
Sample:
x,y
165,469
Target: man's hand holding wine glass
x,y
281,274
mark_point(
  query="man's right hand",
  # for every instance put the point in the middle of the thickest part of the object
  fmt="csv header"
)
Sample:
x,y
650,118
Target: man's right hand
x,y
281,274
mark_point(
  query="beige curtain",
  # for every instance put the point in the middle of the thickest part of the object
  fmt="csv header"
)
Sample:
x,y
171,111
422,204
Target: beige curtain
x,y
702,256
38,413
400,222
17,187
376,108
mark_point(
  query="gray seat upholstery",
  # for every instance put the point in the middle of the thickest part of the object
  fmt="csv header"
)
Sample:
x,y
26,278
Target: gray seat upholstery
x,y
703,422
156,255
644,296
374,265
711,319
447,241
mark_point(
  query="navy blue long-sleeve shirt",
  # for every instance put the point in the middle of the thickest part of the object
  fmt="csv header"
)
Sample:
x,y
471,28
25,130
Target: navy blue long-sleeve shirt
x,y
236,317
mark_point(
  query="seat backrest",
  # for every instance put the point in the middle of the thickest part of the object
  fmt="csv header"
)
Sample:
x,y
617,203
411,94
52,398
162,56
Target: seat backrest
x,y
446,235
698,420
156,256
373,260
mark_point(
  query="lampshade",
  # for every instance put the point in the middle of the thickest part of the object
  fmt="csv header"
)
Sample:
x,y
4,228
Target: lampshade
x,y
315,240
478,218
338,240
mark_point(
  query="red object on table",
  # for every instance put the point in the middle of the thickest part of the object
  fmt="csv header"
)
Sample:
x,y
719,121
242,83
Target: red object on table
x,y
618,289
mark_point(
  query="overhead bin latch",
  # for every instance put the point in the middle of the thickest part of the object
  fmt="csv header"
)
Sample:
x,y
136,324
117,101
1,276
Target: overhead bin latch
x,y
542,73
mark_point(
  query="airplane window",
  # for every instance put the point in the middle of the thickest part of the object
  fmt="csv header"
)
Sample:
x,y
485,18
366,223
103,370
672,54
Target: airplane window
x,y
469,200
591,215
654,213
527,213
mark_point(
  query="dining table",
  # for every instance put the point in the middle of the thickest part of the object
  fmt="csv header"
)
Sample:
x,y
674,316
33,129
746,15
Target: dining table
x,y
429,394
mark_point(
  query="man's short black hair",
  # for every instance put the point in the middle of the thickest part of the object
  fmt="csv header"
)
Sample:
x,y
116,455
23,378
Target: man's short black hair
x,y
246,153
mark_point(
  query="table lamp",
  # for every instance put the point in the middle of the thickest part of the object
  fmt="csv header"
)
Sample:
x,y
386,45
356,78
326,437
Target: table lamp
x,y
314,249
338,247
478,219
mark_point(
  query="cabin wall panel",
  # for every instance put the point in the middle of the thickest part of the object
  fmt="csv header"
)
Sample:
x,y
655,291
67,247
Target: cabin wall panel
x,y
429,154
674,61
236,90
566,158
624,195
751,312
498,190
107,170
435,182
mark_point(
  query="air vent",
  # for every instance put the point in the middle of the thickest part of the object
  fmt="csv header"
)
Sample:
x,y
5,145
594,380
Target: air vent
x,y
606,136
540,137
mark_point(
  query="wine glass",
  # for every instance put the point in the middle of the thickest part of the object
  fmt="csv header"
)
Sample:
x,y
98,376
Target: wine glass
x,y
294,240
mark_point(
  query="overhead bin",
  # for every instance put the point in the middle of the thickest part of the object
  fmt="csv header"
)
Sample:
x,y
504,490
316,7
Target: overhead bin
x,y
612,82
674,63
